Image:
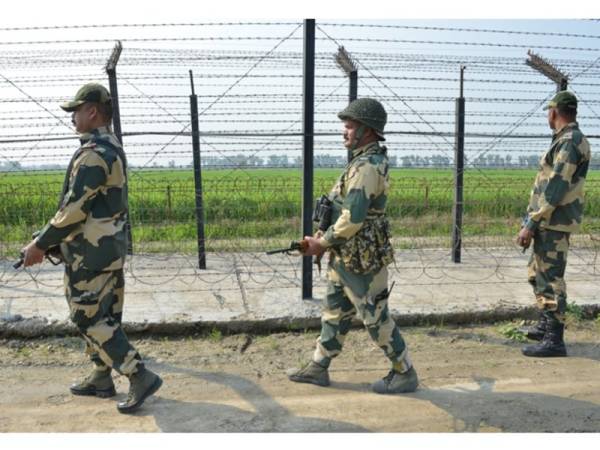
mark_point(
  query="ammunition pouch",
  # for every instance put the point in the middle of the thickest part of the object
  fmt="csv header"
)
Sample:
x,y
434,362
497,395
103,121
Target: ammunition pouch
x,y
369,250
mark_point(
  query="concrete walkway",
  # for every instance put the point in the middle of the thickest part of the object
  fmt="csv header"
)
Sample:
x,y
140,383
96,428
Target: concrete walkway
x,y
252,291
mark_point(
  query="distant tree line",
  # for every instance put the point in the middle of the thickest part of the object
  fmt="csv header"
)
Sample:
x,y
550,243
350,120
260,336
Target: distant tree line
x,y
488,160
408,161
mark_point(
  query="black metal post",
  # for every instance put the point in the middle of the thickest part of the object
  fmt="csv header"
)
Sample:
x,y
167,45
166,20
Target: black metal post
x,y
348,66
458,173
352,94
564,82
111,71
197,177
353,91
308,151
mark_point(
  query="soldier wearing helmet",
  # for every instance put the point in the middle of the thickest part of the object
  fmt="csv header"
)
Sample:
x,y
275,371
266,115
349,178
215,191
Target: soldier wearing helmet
x,y
358,242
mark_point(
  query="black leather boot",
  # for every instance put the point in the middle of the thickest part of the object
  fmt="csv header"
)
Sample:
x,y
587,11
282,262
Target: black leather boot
x,y
552,344
98,383
142,385
536,331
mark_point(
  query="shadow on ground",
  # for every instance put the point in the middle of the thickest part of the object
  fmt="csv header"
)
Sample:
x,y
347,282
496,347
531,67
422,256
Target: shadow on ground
x,y
266,415
472,407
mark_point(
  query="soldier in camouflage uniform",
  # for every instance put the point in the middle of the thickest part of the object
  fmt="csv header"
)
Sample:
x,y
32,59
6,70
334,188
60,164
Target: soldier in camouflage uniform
x,y
555,211
90,228
359,245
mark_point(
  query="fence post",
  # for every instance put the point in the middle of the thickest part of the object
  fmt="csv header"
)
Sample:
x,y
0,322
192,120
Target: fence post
x,y
169,203
348,66
197,177
353,87
548,70
459,148
111,71
308,150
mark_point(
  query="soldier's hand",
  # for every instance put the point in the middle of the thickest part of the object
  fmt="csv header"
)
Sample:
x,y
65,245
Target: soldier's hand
x,y
318,234
525,237
32,254
314,247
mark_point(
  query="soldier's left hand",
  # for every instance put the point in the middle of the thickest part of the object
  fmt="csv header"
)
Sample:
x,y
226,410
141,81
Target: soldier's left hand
x,y
524,238
32,254
314,247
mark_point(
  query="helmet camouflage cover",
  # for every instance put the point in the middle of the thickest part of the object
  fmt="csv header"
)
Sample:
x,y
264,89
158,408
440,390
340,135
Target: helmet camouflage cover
x,y
367,111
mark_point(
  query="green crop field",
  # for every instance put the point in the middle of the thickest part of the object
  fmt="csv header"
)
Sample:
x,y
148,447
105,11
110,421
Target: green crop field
x,y
258,205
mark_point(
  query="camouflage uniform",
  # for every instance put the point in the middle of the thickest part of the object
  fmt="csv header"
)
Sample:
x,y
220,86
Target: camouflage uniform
x,y
90,229
360,250
555,211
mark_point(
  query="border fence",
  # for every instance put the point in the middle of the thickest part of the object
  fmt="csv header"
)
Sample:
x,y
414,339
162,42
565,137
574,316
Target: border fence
x,y
230,129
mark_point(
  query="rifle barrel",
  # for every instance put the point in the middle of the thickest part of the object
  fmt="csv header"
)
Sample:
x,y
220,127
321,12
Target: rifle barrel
x,y
281,250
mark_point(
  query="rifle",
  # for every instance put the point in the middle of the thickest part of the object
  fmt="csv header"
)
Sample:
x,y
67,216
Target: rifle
x,y
299,246
321,215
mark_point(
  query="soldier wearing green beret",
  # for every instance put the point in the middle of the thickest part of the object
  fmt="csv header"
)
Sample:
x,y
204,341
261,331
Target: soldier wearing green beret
x,y
555,211
89,227
358,242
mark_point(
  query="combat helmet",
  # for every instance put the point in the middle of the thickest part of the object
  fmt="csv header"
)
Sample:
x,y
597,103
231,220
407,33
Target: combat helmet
x,y
367,111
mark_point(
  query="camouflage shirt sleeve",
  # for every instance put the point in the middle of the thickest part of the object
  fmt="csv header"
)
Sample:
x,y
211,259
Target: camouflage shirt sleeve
x,y
362,185
89,175
559,183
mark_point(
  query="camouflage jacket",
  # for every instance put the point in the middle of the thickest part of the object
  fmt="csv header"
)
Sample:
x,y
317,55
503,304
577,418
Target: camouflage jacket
x,y
360,193
556,201
90,223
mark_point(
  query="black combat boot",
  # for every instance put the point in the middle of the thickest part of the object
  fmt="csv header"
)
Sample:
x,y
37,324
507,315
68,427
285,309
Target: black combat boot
x,y
397,383
536,332
142,385
310,373
552,344
98,383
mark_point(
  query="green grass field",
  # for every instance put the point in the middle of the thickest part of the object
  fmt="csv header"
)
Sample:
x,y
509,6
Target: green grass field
x,y
264,204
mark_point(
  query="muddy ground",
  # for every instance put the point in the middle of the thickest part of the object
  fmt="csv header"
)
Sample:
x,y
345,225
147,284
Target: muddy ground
x,y
473,379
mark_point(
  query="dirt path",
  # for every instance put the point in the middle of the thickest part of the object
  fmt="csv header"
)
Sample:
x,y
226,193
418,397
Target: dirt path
x,y
472,379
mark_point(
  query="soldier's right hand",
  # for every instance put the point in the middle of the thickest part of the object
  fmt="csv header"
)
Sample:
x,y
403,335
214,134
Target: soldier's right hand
x,y
32,254
314,247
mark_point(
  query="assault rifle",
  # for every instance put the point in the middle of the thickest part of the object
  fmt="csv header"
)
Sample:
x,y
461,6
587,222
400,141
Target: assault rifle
x,y
321,215
299,246
296,246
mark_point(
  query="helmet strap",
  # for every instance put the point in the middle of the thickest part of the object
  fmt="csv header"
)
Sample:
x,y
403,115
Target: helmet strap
x,y
360,132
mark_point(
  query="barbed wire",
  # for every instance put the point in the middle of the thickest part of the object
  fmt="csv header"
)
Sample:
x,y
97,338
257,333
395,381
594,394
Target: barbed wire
x,y
461,29
279,43
150,66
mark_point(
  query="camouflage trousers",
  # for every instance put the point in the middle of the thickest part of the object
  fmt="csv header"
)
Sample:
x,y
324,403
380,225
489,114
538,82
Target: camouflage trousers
x,y
96,307
546,269
349,294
